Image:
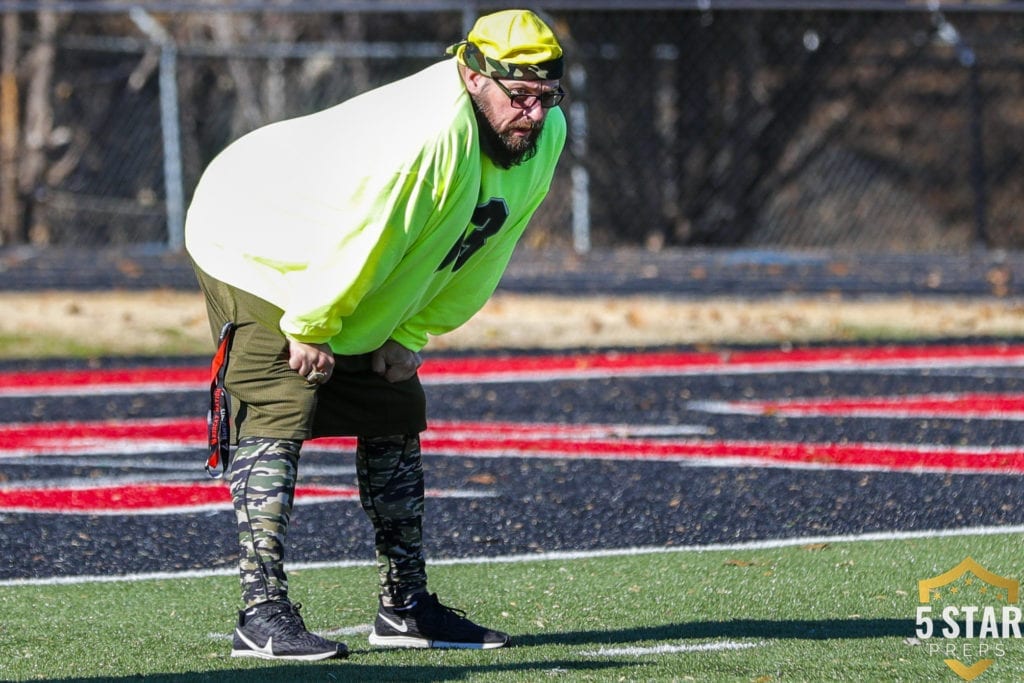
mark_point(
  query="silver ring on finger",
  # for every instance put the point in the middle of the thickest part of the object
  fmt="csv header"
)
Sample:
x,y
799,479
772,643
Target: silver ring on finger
x,y
316,377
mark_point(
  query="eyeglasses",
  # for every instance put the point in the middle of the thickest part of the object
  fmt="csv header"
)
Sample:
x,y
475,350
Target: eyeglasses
x,y
525,100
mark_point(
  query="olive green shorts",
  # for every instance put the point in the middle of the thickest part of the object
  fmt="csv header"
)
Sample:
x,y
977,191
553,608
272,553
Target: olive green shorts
x,y
271,400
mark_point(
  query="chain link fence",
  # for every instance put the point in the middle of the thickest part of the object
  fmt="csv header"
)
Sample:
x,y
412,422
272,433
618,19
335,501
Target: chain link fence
x,y
896,130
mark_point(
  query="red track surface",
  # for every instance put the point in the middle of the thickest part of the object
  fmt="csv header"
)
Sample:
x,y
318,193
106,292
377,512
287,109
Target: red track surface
x,y
560,441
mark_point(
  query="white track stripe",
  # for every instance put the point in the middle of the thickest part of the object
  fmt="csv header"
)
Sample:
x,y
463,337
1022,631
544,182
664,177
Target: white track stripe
x,y
765,368
768,408
541,557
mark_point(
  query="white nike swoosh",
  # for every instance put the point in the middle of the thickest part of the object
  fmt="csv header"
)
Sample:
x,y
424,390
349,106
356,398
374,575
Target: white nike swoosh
x,y
401,627
267,649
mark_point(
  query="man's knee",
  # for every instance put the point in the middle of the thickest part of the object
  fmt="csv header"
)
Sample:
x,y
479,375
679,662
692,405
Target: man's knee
x,y
390,472
262,467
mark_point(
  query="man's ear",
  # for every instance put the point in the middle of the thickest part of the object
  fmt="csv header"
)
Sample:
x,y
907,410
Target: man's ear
x,y
474,81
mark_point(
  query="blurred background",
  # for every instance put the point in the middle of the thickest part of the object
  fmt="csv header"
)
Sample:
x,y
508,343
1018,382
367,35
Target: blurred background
x,y
883,125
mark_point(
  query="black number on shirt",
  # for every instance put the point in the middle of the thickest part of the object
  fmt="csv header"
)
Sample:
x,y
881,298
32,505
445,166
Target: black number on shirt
x,y
487,221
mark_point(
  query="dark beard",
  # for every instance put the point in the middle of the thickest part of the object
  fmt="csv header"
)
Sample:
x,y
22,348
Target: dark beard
x,y
504,150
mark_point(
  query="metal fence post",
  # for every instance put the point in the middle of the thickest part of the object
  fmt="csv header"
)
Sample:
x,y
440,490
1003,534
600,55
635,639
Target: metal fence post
x,y
969,60
580,175
174,195
979,179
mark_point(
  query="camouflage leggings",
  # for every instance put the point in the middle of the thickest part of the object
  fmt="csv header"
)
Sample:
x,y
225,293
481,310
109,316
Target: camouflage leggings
x,y
389,469
390,472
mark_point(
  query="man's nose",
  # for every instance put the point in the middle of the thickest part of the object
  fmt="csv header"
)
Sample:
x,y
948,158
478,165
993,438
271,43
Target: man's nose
x,y
535,112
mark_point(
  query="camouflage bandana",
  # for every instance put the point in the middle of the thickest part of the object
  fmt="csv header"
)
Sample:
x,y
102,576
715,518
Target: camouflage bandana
x,y
472,57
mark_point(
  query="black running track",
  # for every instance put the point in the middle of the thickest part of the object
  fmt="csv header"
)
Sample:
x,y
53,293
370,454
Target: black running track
x,y
101,462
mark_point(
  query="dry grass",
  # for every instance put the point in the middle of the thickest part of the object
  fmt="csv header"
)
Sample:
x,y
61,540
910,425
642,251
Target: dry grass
x,y
43,324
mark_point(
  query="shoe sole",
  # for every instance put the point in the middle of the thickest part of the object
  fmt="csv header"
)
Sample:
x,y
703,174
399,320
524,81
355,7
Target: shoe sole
x,y
316,656
424,643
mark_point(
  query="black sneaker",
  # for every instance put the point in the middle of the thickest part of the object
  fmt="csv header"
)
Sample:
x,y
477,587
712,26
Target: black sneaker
x,y
275,630
428,623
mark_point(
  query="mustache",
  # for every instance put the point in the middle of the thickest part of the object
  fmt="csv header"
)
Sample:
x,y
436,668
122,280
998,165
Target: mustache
x,y
528,126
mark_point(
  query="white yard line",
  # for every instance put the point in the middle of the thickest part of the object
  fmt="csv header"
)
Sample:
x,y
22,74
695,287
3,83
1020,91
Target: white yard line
x,y
667,649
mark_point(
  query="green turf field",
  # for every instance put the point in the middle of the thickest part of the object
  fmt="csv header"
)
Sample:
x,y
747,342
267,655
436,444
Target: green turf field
x,y
811,612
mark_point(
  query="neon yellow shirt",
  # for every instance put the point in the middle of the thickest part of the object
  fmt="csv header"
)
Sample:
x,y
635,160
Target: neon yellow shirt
x,y
376,219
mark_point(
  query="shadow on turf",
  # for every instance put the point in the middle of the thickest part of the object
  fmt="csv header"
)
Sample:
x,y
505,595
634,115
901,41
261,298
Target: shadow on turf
x,y
804,629
351,671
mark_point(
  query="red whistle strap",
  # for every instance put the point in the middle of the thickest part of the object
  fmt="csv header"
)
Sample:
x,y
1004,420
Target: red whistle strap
x,y
218,419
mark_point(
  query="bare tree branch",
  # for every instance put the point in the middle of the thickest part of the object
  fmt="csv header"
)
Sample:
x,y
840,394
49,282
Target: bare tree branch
x,y
10,209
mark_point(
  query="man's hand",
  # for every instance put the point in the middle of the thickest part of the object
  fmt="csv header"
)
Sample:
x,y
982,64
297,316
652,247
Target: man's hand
x,y
307,359
395,362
